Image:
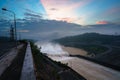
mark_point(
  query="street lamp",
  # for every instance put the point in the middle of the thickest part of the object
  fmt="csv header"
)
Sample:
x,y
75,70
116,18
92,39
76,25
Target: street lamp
x,y
14,23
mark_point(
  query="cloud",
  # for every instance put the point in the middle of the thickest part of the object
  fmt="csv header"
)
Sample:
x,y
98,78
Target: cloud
x,y
64,9
28,10
101,22
32,15
23,31
67,19
53,9
51,29
33,12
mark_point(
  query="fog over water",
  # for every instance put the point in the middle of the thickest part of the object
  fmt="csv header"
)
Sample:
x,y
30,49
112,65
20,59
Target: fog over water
x,y
51,48
54,51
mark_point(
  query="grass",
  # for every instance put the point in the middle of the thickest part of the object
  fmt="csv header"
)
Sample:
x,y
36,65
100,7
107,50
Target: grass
x,y
44,71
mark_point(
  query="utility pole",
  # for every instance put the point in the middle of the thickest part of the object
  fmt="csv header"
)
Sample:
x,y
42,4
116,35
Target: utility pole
x,y
12,33
15,31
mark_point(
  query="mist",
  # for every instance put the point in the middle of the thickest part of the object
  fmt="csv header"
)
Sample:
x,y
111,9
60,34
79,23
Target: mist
x,y
51,49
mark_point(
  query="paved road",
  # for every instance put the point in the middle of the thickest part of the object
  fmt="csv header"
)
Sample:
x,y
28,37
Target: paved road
x,y
6,60
90,70
6,47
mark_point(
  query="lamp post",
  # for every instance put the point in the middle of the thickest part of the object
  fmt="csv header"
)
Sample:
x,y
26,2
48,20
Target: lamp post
x,y
14,23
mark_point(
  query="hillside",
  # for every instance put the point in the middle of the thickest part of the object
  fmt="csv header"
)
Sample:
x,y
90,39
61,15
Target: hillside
x,y
90,38
101,47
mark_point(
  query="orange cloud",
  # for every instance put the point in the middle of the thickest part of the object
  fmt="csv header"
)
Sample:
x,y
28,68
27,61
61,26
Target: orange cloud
x,y
101,22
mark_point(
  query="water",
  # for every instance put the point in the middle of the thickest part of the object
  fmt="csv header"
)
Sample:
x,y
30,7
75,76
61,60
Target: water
x,y
54,51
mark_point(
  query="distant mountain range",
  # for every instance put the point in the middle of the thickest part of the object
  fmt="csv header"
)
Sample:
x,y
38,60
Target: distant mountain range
x,y
106,48
90,38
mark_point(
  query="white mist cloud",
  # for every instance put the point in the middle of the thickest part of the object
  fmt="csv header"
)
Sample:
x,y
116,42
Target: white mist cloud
x,y
51,49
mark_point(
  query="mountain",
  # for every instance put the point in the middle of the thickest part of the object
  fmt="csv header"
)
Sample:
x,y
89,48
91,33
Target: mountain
x,y
89,38
101,47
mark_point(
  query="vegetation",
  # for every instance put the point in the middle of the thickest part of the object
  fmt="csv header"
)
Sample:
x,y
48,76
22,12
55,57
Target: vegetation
x,y
89,38
93,43
44,71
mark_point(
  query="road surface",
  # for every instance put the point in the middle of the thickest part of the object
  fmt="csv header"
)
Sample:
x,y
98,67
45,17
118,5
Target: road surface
x,y
6,60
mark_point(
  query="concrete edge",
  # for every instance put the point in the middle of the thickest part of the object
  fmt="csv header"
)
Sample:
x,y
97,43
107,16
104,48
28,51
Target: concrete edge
x,y
28,71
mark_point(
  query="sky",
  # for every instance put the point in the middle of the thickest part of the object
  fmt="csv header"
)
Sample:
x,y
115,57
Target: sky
x,y
70,16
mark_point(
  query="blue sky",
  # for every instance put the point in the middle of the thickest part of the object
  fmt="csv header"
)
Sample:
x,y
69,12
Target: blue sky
x,y
20,6
82,12
37,17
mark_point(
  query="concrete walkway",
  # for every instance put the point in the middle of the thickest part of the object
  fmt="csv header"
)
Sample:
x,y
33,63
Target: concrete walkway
x,y
28,67
8,58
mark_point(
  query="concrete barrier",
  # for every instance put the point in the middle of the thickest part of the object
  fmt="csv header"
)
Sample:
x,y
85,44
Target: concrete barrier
x,y
28,66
